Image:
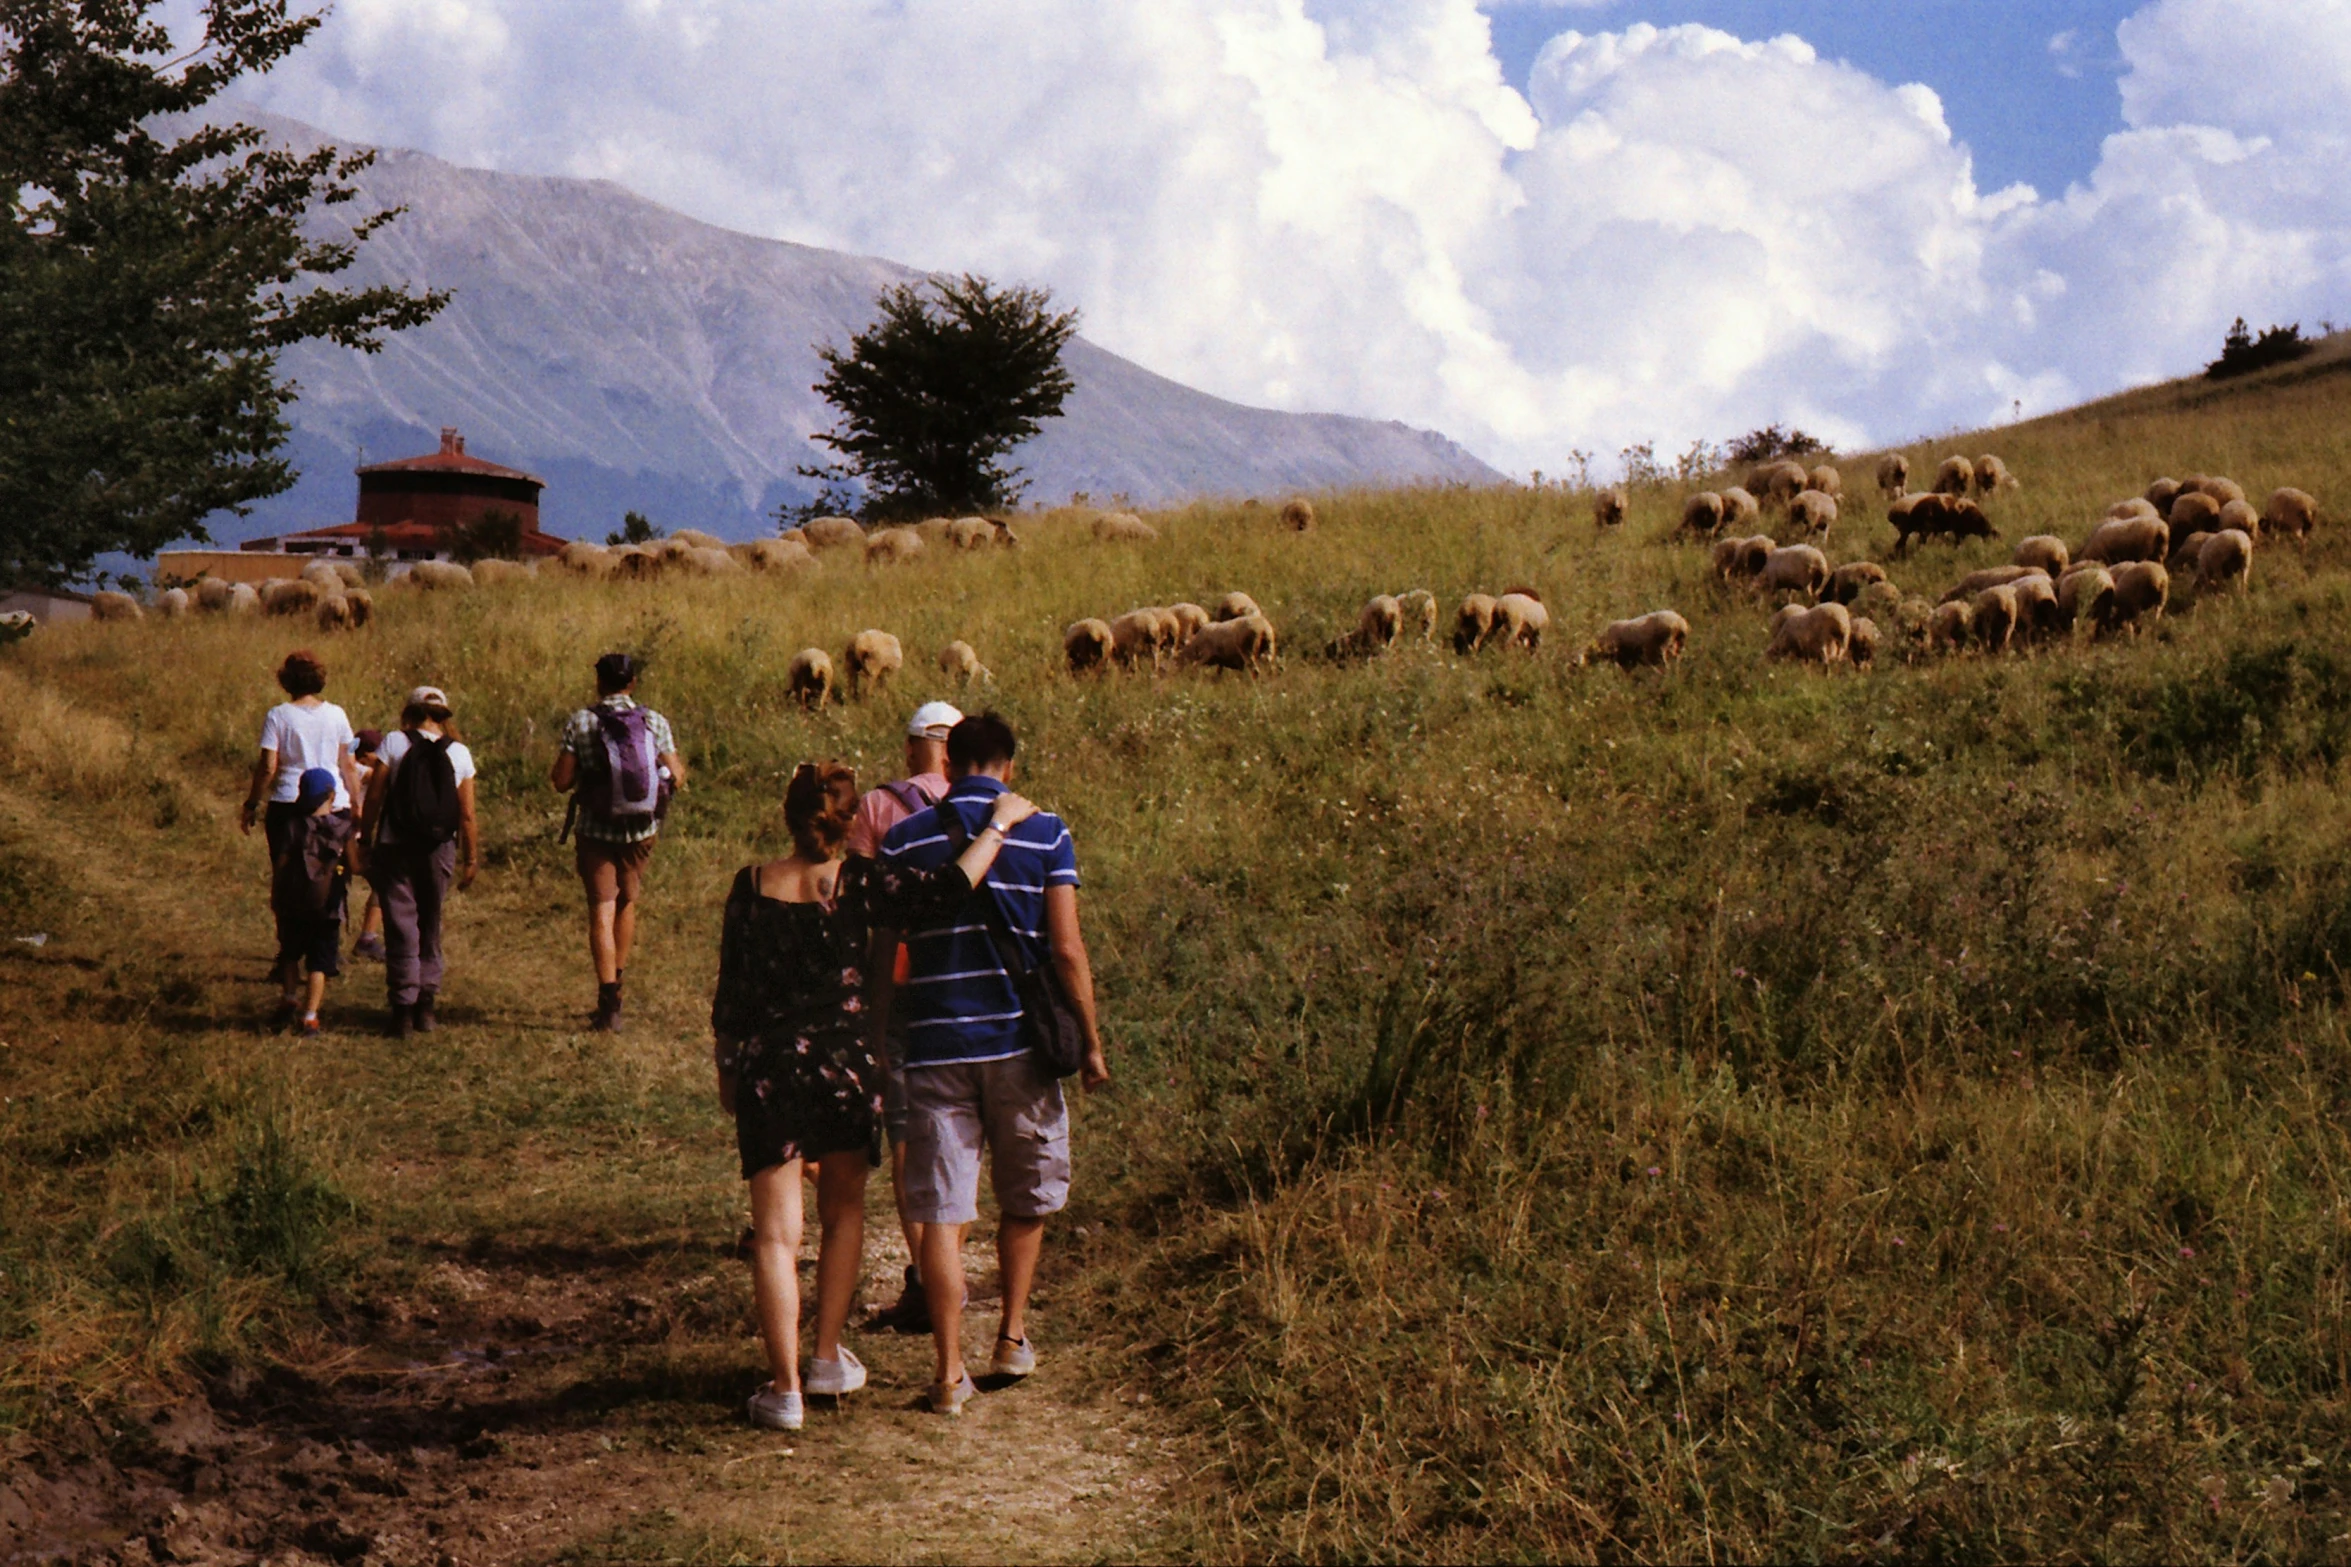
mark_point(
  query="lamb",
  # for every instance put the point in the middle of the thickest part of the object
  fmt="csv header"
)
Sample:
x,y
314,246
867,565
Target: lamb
x,y
1992,475
493,573
1237,606
1740,509
2045,552
439,576
2161,494
1380,624
892,546
1825,480
2290,511
1117,527
959,662
1797,568
1650,641
1298,514
1820,635
1135,636
172,603
1814,512
2227,558
1608,507
832,533
1087,644
696,539
294,596
1245,644
1955,477
1189,618
874,656
106,604
1848,582
1702,514
2194,509
2124,539
2141,588
1520,620
810,679
1995,613
584,559
1473,623
2240,516
1741,560
1893,476
1950,626
1990,577
2084,593
1862,650
1420,608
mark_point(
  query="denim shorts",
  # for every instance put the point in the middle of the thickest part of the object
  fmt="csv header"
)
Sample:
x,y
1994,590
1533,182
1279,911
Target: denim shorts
x,y
1010,1107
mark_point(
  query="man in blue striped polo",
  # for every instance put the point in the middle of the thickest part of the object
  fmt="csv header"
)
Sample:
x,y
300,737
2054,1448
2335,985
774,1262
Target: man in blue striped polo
x,y
970,1079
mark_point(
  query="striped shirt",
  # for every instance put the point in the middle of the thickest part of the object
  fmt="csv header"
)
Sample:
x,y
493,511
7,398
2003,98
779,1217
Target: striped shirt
x,y
958,1004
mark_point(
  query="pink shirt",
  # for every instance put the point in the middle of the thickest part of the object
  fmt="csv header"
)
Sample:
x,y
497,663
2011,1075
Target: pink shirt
x,y
882,810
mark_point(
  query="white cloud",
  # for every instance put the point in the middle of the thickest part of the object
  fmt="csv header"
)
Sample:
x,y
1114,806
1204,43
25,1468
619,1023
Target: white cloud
x,y
1312,204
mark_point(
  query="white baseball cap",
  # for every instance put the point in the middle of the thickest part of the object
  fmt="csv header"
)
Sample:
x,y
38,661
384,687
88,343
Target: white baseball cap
x,y
932,720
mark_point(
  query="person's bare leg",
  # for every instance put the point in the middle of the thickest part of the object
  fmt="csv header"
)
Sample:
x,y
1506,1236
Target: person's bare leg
x,y
624,936
840,1252
775,1269
942,1282
602,920
316,994
906,1227
1019,1242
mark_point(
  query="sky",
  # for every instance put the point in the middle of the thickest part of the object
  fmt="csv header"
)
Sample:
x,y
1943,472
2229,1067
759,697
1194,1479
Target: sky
x,y
1541,226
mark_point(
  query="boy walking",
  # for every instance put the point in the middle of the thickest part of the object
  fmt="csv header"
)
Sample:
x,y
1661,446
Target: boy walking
x,y
621,763
306,893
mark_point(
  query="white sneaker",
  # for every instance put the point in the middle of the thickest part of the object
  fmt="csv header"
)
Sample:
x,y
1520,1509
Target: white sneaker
x,y
1014,1357
834,1378
776,1411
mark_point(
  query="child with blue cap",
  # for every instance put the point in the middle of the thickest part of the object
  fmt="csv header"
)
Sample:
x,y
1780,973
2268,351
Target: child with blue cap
x,y
307,896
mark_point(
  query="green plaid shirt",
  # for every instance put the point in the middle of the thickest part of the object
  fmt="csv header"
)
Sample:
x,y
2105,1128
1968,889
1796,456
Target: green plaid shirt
x,y
583,737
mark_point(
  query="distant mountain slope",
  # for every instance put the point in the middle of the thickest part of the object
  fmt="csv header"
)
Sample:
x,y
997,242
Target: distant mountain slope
x,y
636,358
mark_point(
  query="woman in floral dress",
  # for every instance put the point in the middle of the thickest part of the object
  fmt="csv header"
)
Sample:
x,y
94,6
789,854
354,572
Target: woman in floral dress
x,y
795,1068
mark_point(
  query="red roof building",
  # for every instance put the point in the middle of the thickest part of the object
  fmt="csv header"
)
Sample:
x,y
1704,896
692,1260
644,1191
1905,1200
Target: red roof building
x,y
412,508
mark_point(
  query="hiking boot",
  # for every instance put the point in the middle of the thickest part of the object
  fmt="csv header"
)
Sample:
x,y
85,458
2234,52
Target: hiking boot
x,y
425,1023
834,1378
607,1018
949,1399
777,1411
369,947
402,1024
1015,1357
910,1313
310,1028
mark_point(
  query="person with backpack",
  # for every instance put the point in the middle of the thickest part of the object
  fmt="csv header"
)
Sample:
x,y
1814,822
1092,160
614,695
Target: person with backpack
x,y
306,893
421,836
621,764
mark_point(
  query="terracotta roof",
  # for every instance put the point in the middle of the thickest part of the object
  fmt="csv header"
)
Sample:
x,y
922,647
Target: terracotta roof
x,y
451,458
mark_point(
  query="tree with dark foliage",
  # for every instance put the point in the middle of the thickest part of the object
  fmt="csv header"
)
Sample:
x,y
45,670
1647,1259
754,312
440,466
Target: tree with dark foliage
x,y
150,274
954,375
2241,353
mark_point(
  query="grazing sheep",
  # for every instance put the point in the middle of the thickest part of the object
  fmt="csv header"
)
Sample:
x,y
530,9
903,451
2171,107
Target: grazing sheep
x,y
2188,550
1893,476
1820,635
1825,480
1702,514
1608,507
1937,516
703,562
892,546
439,576
1246,644
1990,577
1380,624
2290,511
2045,552
332,576
635,563
1992,475
2136,506
1520,619
1814,512
2036,606
1995,613
1473,623
1795,568
584,559
772,555
934,530
1237,606
1848,582
1956,476
1135,636
831,533
696,539
106,604
2085,593
172,603
1740,509
810,679
2226,559
1420,608
1087,644
212,594
959,662
1189,618
2222,490
2161,494
2141,589
2193,484
1776,484
972,533
1116,527
2126,538
1742,560
2240,516
2193,510
334,612
1650,641
1862,650
1914,620
1951,627
293,595
363,607
874,656
493,573
1298,514
1879,598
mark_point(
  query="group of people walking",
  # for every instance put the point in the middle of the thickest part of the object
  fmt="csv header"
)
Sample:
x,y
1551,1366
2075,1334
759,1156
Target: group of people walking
x,y
913,972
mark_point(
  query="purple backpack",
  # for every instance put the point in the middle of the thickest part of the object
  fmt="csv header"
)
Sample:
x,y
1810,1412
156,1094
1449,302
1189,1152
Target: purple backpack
x,y
630,789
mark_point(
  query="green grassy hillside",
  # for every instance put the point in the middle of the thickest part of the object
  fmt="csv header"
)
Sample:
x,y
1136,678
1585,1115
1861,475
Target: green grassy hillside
x,y
1740,1112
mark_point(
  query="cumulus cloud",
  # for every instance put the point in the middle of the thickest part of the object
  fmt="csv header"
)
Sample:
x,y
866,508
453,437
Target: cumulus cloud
x,y
1674,233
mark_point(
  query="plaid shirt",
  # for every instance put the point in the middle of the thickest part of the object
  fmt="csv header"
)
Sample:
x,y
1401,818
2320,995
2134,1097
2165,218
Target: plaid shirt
x,y
583,737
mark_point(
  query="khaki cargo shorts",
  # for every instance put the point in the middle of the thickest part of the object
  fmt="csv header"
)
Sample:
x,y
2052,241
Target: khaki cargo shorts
x,y
1012,1108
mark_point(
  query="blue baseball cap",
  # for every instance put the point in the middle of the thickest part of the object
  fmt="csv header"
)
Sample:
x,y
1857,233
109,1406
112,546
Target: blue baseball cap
x,y
316,788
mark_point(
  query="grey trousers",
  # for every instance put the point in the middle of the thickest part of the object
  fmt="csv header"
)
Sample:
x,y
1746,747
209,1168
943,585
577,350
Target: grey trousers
x,y
411,887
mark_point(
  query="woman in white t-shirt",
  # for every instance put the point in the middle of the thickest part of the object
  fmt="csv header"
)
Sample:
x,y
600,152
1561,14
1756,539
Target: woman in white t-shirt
x,y
303,732
412,877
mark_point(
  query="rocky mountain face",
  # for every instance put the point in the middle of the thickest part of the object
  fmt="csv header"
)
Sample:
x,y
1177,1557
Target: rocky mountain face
x,y
637,359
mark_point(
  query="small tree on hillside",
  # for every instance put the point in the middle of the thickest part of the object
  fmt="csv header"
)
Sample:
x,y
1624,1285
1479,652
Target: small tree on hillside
x,y
933,396
635,528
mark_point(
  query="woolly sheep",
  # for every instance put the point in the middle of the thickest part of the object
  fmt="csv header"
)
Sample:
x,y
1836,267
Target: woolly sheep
x,y
2194,509
2226,559
1123,527
1956,476
1420,608
959,662
874,656
1135,636
1893,475
2240,516
2141,589
1990,577
583,559
1795,568
1702,513
1246,644
1848,582
635,563
773,555
106,604
2222,490
1380,623
1473,623
334,612
243,599
1087,644
439,576
1825,480
1937,516
703,562
2085,593
2036,605
1951,627
1740,509
696,539
1992,475
1237,606
971,533
2290,511
2161,494
363,607
493,573
2045,551
1776,484
1813,511
2136,506
2126,538
826,533
892,546
1189,618
212,594
172,603
1862,649
1649,641
293,595
332,576
1820,635
1608,507
1879,598
1520,620
934,530
1995,614
1741,560
2187,551
810,679
1298,514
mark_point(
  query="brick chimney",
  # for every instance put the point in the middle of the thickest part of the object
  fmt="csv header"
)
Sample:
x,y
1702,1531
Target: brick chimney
x,y
452,444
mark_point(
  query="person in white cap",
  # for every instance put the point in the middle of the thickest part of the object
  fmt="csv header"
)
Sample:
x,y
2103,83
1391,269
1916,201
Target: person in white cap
x,y
924,785
421,836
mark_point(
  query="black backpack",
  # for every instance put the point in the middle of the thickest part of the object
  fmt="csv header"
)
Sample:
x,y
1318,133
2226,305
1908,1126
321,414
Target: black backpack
x,y
422,808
